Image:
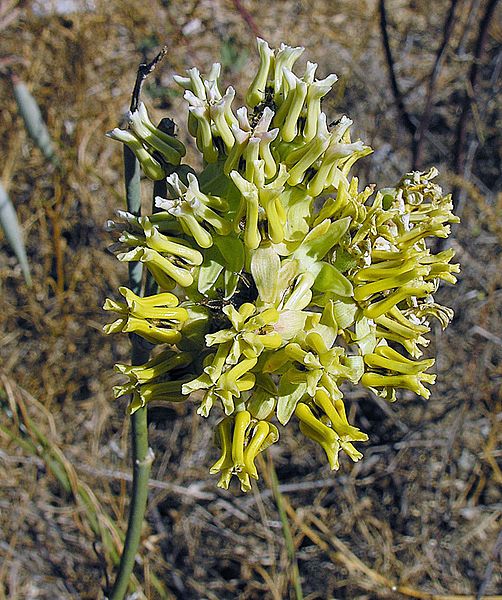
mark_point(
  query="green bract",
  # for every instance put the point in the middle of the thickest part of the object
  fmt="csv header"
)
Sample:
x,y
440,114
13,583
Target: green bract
x,y
280,281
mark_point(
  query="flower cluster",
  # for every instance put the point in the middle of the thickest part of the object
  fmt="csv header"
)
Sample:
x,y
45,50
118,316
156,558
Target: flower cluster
x,y
279,280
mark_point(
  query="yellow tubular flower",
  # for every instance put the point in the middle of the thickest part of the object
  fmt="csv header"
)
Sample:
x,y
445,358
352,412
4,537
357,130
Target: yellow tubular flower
x,y
151,332
136,312
151,167
379,308
256,91
178,146
284,59
225,462
364,292
299,91
314,94
308,154
169,147
163,363
280,280
338,419
387,358
305,414
409,382
204,134
260,433
218,113
241,439
242,420
330,447
249,196
251,155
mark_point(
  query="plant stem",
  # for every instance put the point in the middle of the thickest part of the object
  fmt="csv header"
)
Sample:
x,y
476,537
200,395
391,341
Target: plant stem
x,y
132,183
142,458
141,454
286,530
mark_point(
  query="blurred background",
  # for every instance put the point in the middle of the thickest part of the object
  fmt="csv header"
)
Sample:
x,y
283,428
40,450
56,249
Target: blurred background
x,y
420,515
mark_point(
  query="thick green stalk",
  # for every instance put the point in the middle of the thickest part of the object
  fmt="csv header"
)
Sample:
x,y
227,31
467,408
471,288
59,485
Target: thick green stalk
x,y
159,189
141,455
132,183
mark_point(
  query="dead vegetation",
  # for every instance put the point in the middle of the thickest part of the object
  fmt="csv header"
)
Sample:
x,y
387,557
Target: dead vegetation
x,y
419,517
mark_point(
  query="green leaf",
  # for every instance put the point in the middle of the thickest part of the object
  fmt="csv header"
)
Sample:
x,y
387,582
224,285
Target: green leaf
x,y
34,122
297,205
329,279
344,260
265,265
13,234
210,269
231,283
344,312
314,248
356,365
321,239
214,182
232,251
264,398
289,396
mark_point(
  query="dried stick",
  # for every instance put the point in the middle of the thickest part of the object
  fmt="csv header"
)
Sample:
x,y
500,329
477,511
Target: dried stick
x,y
247,17
398,96
459,150
490,567
472,12
144,70
423,126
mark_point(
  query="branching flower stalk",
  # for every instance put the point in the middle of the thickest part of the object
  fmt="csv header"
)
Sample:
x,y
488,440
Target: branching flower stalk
x,y
280,282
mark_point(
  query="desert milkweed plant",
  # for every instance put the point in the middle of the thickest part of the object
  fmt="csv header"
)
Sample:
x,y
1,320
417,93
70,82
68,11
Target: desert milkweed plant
x,y
273,280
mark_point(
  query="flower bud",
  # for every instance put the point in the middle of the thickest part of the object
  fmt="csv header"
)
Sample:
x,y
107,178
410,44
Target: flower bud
x,y
151,167
256,91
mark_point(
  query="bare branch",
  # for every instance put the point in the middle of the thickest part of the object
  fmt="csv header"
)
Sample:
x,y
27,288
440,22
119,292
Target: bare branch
x,y
398,96
247,17
436,69
144,70
460,144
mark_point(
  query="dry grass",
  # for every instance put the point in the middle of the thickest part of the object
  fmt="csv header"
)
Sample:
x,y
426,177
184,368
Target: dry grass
x,y
420,515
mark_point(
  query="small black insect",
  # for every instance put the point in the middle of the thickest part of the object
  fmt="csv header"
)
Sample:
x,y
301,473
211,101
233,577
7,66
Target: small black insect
x,y
168,126
335,122
268,101
247,292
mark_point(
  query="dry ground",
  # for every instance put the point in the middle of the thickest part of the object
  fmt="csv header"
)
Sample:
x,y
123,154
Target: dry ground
x,y
422,511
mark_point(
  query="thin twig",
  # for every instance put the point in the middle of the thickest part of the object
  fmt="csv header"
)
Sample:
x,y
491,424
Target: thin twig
x,y
460,144
286,530
472,13
247,17
398,96
144,70
342,554
102,563
495,557
436,69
